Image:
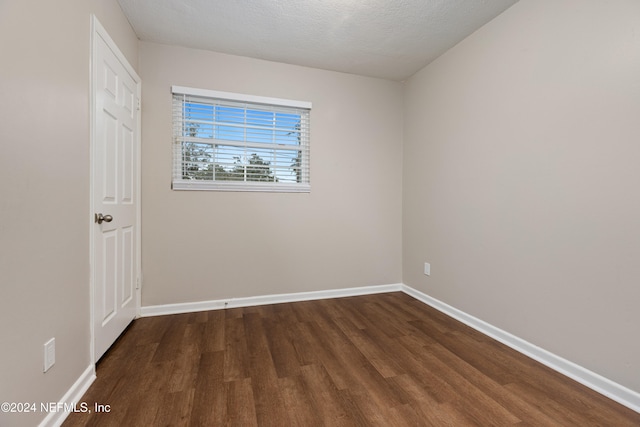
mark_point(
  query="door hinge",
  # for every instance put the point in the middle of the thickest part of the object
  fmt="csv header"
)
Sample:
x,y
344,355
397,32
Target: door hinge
x,y
138,104
138,283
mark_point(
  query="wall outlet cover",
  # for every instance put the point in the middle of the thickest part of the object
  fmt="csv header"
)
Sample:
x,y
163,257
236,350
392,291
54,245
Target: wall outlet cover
x,y
49,354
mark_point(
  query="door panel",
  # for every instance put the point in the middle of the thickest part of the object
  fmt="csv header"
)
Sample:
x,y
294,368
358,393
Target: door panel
x,y
128,158
115,186
128,271
108,280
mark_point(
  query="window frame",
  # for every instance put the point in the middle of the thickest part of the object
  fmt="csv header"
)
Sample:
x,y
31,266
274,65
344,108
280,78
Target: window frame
x,y
178,183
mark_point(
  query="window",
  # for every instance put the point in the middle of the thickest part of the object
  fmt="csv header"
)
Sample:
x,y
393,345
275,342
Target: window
x,y
232,142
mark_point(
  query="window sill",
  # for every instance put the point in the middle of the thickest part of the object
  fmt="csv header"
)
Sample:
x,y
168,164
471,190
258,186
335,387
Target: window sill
x,y
240,186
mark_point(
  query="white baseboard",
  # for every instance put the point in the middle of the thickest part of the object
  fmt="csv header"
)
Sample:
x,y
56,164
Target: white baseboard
x,y
596,382
191,307
73,395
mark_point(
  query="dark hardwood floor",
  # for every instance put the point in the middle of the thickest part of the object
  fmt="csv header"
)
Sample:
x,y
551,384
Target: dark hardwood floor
x,y
386,360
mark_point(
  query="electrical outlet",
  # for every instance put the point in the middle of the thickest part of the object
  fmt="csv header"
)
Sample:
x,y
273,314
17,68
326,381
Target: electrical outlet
x,y
427,269
49,354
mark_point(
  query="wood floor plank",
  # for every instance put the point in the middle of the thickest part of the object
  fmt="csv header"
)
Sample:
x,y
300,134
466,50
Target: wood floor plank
x,y
329,404
214,331
175,409
382,360
269,404
432,381
210,398
324,354
431,411
241,405
550,407
295,395
518,407
236,356
371,412
171,338
385,359
360,372
299,334
184,372
284,355
350,308
460,392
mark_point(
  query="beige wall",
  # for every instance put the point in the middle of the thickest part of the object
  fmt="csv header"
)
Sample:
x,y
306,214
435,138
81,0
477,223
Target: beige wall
x,y
199,246
521,173
44,183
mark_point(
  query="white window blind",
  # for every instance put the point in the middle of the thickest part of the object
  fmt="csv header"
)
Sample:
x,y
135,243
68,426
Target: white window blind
x,y
232,142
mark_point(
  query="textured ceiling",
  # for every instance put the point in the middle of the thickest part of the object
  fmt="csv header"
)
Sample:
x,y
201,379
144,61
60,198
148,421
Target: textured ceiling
x,y
390,39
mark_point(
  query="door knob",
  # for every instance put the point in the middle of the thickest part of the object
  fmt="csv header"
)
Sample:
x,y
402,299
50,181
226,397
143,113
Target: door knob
x,y
99,218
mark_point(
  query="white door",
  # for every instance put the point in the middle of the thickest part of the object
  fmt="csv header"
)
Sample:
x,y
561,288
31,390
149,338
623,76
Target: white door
x,y
115,236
